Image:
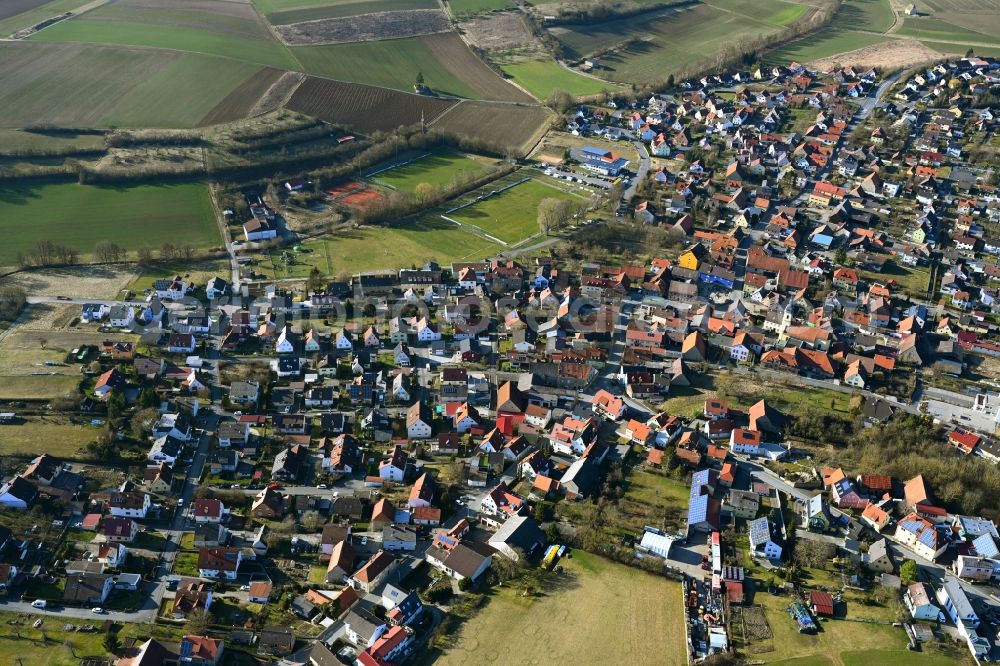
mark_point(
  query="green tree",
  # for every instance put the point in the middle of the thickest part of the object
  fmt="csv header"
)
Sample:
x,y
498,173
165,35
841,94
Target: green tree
x,y
420,79
111,642
908,572
116,405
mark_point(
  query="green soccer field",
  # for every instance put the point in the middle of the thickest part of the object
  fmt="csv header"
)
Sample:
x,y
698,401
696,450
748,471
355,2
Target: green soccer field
x,y
80,215
439,170
512,215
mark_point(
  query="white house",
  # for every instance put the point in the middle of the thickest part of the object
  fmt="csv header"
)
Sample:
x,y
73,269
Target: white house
x,y
745,441
259,229
286,341
343,341
921,605
181,343
426,331
129,504
18,493
219,562
121,316
956,604
418,421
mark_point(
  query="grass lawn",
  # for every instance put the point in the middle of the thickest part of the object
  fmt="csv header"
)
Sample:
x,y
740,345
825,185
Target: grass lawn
x,y
84,85
912,280
81,215
388,247
60,437
46,646
36,387
616,614
439,170
855,642
186,564
512,215
542,77
110,25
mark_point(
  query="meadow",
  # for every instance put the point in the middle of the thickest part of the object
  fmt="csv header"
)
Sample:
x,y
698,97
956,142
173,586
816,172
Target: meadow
x,y
824,44
511,215
446,63
402,245
542,77
62,438
439,170
80,215
341,8
662,42
242,38
776,13
77,85
617,614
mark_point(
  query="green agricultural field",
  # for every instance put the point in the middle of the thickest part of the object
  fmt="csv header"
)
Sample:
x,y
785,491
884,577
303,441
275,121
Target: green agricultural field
x,y
542,77
439,170
106,26
81,215
640,620
340,8
873,15
41,11
468,7
512,215
446,63
775,12
99,86
661,43
824,44
934,29
14,141
960,49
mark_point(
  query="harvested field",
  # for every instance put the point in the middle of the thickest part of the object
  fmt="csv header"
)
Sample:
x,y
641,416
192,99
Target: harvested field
x,y
518,127
241,101
365,27
278,93
100,282
891,55
14,7
499,32
363,108
444,60
337,8
98,86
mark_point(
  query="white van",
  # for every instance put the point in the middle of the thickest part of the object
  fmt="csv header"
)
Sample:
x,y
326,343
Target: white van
x,y
39,603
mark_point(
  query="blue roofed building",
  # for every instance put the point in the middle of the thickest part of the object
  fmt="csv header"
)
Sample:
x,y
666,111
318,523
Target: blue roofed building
x,y
603,161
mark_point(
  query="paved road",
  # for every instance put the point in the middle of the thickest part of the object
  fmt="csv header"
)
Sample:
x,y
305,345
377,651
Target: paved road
x,y
640,174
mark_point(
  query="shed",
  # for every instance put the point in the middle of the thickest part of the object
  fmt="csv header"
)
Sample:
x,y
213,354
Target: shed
x,y
822,603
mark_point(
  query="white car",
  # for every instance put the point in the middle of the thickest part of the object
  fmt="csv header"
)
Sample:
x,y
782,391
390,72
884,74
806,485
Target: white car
x,y
321,486
364,541
98,611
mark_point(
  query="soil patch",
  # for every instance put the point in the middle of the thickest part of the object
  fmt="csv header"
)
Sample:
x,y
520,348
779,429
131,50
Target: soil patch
x,y
499,32
890,55
365,27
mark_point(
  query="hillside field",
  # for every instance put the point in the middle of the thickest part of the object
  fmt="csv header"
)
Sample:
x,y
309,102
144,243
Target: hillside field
x,y
446,63
663,42
542,77
503,125
640,621
80,215
75,85
239,35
